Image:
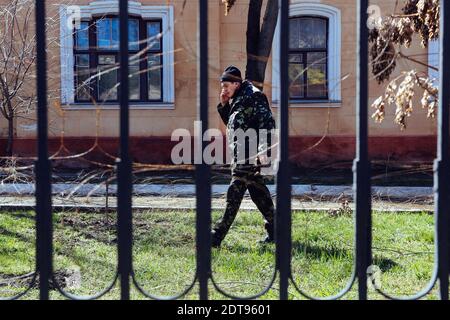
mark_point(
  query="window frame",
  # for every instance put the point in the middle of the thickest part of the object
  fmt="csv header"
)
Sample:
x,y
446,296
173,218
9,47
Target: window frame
x,y
304,53
334,55
95,52
165,13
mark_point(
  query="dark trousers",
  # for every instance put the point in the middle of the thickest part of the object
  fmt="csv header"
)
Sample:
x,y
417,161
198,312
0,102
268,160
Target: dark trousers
x,y
243,179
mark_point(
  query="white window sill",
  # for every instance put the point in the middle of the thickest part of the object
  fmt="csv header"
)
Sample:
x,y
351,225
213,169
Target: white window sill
x,y
311,104
150,106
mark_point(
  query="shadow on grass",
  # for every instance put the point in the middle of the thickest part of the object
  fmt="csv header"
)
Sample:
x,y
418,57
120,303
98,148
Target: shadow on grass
x,y
331,252
22,215
384,264
16,235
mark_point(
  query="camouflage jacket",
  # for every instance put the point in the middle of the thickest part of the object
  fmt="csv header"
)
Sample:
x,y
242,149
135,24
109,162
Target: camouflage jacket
x,y
248,109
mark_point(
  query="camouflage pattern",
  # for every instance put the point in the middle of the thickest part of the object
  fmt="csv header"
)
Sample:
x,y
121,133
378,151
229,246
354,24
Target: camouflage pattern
x,y
260,195
249,108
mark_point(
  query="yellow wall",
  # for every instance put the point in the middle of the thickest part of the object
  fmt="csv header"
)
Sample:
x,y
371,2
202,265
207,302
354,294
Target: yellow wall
x,y
227,46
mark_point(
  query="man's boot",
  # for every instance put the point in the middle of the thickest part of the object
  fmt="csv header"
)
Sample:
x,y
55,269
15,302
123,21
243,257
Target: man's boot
x,y
270,238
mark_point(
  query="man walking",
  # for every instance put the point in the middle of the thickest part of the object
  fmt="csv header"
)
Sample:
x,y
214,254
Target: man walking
x,y
244,107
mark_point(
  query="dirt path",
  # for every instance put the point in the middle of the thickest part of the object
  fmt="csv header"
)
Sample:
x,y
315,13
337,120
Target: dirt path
x,y
218,203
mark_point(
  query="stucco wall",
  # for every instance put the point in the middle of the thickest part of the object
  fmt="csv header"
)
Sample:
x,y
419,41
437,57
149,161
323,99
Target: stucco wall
x,y
227,45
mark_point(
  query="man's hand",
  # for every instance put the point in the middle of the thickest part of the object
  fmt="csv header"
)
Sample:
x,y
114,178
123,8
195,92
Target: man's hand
x,y
224,98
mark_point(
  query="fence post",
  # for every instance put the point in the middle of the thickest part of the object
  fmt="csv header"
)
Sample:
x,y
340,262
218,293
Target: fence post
x,y
202,170
361,167
124,183
283,216
442,163
44,228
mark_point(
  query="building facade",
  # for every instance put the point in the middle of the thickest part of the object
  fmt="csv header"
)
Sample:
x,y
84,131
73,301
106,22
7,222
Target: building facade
x,y
84,111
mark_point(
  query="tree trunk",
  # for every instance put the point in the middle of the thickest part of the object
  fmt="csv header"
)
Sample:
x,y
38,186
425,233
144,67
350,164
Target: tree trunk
x,y
266,38
253,30
10,141
260,39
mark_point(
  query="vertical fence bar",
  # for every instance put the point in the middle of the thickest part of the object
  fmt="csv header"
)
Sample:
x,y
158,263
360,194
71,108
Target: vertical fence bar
x,y
361,167
283,218
202,170
43,166
442,163
124,187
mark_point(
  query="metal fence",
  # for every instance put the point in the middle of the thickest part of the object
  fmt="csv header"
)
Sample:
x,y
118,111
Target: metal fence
x,y
362,186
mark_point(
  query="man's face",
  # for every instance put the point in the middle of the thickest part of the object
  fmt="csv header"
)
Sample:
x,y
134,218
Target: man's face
x,y
229,88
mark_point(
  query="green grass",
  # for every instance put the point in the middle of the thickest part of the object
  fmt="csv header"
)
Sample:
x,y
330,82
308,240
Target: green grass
x,y
164,253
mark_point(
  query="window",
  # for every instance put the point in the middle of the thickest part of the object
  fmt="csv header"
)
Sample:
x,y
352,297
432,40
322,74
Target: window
x,y
308,58
433,60
90,55
314,55
96,60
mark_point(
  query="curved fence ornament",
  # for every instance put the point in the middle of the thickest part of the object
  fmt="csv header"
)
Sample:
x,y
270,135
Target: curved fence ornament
x,y
363,270
154,297
427,289
85,298
24,292
416,296
251,297
338,296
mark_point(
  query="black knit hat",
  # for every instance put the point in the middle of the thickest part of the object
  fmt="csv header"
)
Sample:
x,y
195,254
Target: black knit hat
x,y
231,74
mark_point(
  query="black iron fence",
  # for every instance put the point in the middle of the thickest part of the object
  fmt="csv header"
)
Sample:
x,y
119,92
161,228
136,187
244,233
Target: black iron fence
x,y
362,187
